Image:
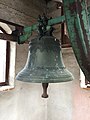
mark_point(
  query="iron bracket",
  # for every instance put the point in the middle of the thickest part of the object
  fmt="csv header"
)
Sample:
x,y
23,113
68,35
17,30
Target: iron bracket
x,y
77,17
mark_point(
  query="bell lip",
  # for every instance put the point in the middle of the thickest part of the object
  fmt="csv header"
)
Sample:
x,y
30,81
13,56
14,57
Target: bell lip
x,y
43,79
46,80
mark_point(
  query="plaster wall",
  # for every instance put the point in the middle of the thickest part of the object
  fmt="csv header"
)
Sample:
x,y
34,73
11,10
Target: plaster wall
x,y
67,101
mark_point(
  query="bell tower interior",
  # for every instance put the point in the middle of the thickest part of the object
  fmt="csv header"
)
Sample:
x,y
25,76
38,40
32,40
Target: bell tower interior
x,y
23,101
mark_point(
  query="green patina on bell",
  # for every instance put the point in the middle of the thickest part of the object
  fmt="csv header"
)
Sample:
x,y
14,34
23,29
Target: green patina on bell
x,y
44,64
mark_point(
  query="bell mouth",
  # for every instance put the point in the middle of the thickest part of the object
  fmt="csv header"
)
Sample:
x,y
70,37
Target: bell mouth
x,y
45,75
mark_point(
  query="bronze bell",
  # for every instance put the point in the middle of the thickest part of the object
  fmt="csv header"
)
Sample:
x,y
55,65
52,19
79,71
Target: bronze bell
x,y
44,63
